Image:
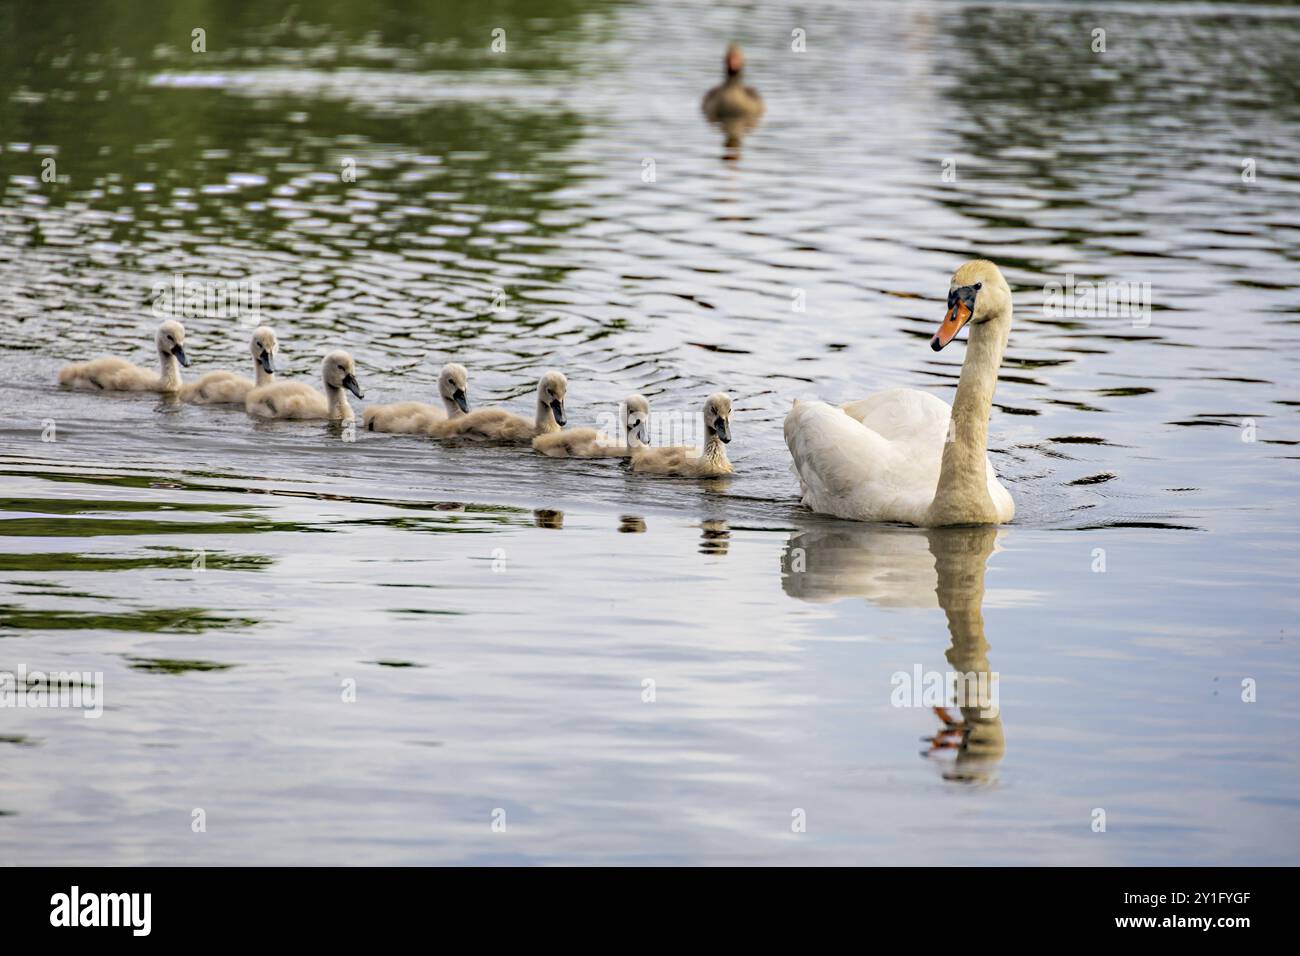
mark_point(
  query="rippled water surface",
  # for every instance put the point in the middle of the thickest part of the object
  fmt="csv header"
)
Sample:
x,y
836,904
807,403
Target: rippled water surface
x,y
619,668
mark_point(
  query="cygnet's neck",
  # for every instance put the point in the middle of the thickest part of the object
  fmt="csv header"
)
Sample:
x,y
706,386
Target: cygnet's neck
x,y
169,372
261,375
545,418
340,410
715,451
450,406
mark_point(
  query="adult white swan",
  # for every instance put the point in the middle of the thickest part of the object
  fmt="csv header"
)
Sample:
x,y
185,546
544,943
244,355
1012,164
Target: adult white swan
x,y
903,454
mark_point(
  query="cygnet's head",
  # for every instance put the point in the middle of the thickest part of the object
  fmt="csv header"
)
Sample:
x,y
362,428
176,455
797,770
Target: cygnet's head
x,y
453,385
551,390
977,293
339,371
717,416
263,346
636,420
170,340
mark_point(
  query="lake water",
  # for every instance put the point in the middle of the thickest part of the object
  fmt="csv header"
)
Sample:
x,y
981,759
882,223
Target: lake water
x,y
385,650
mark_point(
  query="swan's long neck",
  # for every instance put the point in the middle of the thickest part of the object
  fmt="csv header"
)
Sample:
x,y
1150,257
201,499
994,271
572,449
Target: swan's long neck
x,y
962,496
261,375
169,372
340,410
545,420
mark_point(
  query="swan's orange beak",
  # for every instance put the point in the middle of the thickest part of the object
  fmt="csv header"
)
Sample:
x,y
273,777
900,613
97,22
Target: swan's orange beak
x,y
960,305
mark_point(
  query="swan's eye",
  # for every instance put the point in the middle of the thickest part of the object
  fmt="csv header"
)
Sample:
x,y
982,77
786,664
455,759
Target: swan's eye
x,y
977,286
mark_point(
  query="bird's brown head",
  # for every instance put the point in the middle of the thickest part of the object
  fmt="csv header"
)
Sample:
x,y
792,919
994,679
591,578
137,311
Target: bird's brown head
x,y
734,60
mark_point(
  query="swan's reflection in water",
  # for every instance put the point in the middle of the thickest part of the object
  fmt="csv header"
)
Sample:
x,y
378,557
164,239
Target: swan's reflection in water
x,y
903,567
961,556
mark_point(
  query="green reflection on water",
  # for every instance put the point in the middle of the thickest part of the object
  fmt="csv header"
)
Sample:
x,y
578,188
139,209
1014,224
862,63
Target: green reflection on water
x,y
164,558
95,527
180,620
75,506
173,665
97,112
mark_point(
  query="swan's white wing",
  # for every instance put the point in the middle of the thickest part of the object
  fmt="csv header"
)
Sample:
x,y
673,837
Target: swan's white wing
x,y
903,415
1003,503
851,471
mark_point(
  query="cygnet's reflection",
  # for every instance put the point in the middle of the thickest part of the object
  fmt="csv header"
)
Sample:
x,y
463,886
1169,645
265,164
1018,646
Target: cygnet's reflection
x,y
715,537
903,567
631,524
548,518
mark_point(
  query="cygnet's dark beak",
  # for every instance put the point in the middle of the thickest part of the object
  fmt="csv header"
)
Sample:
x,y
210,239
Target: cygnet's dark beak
x,y
722,430
265,360
179,352
557,409
462,402
350,383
